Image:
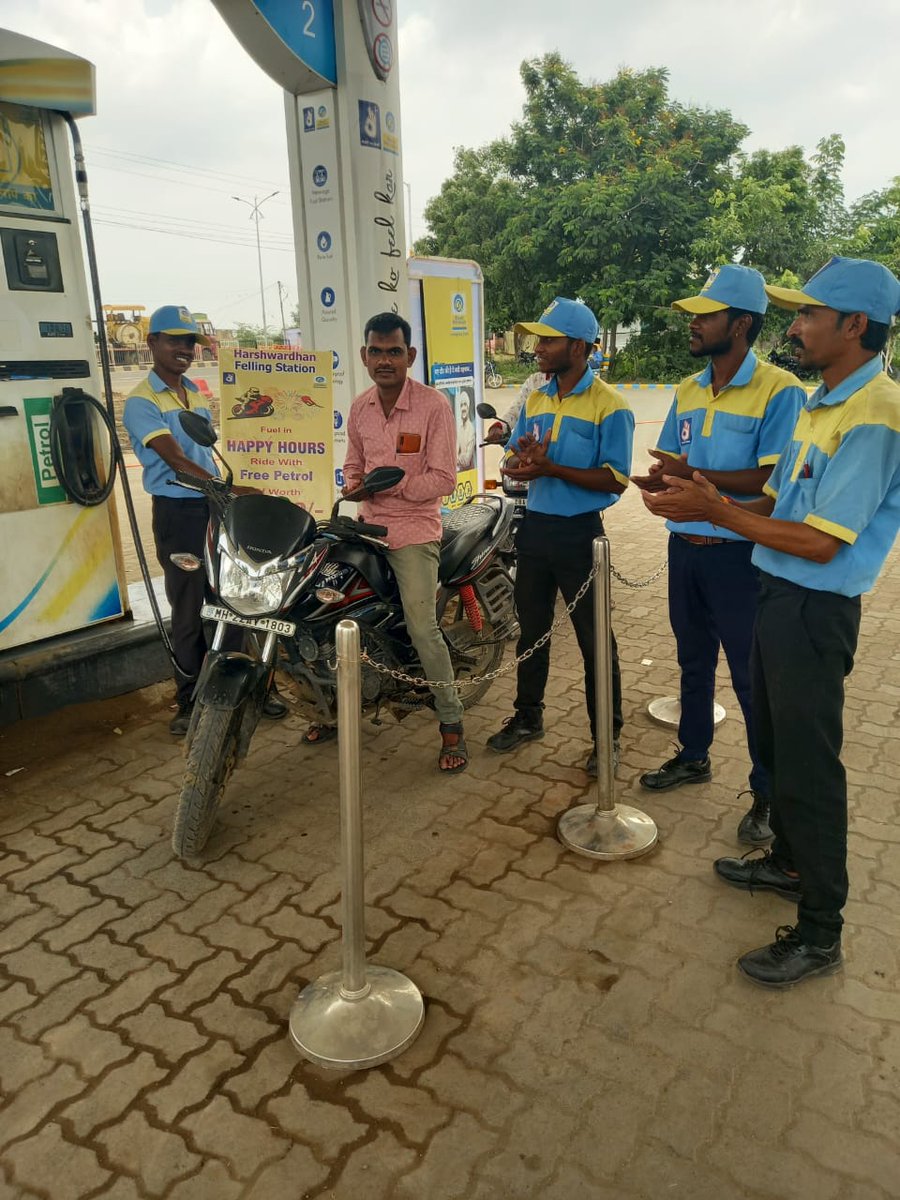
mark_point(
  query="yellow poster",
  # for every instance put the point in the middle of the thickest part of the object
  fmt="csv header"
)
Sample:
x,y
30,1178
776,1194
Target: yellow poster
x,y
24,167
277,423
451,368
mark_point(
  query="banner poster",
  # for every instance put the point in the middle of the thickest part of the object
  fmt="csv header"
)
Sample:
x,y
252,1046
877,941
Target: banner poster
x,y
451,369
24,165
277,418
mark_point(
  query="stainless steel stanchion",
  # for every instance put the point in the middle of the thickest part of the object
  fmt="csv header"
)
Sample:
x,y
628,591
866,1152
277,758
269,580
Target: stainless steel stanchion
x,y
364,1014
605,830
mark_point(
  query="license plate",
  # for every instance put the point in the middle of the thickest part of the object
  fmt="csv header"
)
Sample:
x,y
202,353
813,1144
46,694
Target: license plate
x,y
210,612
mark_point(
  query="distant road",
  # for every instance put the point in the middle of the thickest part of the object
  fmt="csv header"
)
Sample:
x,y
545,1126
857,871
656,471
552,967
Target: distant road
x,y
124,379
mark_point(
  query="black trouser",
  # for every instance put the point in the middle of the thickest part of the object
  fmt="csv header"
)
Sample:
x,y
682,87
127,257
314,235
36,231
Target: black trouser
x,y
803,650
556,554
179,526
712,601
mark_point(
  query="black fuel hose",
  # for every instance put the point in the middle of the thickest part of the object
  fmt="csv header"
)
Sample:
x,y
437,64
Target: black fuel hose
x,y
73,454
110,413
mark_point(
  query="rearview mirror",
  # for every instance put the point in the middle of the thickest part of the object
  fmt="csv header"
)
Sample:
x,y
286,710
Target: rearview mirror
x,y
485,410
382,478
199,429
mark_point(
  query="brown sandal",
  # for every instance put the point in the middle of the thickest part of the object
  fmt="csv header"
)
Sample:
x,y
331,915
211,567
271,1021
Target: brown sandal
x,y
318,734
457,749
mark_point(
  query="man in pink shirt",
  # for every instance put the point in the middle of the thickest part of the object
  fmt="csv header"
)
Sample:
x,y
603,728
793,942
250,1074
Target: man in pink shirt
x,y
401,422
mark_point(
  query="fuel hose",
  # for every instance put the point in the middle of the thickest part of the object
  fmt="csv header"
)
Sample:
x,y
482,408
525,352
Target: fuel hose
x,y
109,417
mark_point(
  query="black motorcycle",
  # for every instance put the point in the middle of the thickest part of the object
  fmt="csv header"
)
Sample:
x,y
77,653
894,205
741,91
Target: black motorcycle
x,y
789,362
287,580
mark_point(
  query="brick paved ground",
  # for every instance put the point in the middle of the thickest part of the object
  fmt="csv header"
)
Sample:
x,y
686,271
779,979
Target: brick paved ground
x,y
586,1033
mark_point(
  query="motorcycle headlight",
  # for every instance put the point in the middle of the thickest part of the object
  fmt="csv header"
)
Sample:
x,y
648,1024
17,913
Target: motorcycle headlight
x,y
249,594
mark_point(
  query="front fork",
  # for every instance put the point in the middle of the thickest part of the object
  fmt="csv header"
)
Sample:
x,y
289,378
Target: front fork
x,y
232,681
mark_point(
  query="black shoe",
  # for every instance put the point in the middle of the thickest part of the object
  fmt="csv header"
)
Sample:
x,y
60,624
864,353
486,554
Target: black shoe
x,y
758,875
180,722
274,707
591,765
675,772
516,730
753,829
789,960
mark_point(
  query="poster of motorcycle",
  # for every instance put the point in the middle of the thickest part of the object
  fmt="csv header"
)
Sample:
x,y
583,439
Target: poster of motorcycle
x,y
277,417
451,369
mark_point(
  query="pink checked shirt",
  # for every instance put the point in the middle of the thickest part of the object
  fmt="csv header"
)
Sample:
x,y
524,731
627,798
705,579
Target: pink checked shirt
x,y
420,437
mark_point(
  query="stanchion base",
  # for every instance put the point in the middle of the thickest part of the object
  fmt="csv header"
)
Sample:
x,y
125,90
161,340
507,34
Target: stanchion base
x,y
667,711
347,1035
607,834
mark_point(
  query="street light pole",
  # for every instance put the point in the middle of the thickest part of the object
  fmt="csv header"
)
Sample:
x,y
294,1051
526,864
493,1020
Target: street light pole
x,y
282,292
255,206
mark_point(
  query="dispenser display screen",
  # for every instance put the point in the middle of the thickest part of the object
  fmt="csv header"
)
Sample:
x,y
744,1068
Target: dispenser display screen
x,y
25,181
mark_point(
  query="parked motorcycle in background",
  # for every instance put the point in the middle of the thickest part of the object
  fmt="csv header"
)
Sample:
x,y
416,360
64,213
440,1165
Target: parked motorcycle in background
x,y
515,490
287,581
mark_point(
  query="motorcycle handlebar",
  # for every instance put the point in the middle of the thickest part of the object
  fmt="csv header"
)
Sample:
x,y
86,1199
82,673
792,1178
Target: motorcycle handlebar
x,y
379,531
341,525
210,486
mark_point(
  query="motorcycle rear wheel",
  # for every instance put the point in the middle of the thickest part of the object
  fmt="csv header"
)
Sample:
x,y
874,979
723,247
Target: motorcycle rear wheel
x,y
210,761
487,657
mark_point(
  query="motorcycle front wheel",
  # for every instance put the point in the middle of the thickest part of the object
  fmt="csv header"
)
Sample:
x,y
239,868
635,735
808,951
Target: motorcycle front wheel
x,y
210,761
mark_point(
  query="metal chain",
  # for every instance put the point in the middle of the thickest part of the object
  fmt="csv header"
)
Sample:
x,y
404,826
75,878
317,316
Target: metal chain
x,y
417,681
638,583
504,670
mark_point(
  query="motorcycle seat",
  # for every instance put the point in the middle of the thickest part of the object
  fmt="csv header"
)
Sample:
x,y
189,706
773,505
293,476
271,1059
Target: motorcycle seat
x,y
268,527
465,530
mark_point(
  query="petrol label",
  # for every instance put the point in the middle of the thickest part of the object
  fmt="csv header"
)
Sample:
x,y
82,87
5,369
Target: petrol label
x,y
37,418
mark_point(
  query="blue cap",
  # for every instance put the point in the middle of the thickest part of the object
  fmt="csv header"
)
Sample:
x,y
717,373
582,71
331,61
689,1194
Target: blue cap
x,y
563,318
847,285
729,286
176,320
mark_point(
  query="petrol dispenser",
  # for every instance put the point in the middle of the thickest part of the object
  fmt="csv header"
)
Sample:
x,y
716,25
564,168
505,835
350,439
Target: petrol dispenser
x,y
59,539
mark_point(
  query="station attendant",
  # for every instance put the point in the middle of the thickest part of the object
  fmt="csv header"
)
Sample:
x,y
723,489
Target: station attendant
x,y
572,444
180,516
730,422
828,520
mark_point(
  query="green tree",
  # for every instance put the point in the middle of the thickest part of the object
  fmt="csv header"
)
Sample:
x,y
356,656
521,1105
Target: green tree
x,y
248,336
779,211
598,192
874,226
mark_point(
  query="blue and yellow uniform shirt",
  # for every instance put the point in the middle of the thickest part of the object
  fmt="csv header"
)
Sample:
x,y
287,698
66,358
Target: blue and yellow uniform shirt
x,y
592,427
746,426
152,409
841,473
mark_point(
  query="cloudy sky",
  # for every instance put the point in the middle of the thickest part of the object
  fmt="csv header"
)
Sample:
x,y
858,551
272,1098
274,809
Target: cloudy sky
x,y
187,121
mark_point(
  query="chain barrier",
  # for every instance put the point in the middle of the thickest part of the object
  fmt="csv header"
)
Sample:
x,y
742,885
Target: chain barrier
x,y
638,583
417,681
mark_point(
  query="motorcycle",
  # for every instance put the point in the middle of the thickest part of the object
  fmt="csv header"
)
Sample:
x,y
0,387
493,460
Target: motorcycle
x,y
789,362
515,490
253,404
287,580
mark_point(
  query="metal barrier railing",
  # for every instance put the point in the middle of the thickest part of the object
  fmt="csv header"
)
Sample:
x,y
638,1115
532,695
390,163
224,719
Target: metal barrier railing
x,y
364,1014
605,830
